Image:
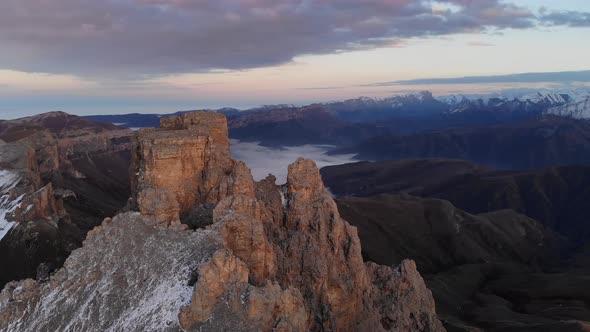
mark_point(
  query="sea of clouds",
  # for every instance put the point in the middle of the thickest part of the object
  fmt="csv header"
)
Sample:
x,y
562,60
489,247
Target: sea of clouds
x,y
266,160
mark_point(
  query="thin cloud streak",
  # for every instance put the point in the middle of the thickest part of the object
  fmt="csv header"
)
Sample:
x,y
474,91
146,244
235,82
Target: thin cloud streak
x,y
554,77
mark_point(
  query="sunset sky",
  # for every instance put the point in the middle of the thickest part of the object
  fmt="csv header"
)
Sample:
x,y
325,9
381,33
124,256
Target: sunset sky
x,y
120,56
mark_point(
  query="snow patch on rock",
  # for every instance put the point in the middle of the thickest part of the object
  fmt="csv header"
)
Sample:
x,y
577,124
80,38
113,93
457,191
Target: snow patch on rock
x,y
130,275
8,180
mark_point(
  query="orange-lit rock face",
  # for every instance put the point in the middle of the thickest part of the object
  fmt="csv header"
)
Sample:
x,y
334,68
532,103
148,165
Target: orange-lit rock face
x,y
302,244
271,259
213,125
292,248
188,158
172,161
336,278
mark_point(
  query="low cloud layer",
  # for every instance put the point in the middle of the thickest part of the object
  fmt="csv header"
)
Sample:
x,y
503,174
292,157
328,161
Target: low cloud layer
x,y
555,77
139,38
263,160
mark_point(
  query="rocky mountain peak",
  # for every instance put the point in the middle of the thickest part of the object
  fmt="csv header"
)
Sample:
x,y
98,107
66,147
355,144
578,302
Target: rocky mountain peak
x,y
270,257
184,162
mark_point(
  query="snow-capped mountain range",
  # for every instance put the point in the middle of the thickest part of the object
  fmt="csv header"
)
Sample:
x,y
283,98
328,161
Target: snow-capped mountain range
x,y
573,103
529,101
506,106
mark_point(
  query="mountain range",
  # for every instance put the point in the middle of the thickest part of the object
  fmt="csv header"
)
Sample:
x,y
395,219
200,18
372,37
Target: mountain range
x,y
411,106
529,132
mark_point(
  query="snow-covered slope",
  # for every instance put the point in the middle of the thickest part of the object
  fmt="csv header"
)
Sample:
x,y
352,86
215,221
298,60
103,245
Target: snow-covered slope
x,y
8,180
452,100
140,276
548,98
561,102
577,110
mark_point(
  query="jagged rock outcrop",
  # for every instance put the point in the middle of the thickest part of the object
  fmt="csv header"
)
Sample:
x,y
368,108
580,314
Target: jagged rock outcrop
x,y
272,258
295,237
402,294
30,214
130,275
25,197
60,139
183,163
60,176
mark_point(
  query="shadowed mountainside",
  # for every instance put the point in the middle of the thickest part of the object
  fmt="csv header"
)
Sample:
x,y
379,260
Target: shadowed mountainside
x,y
549,141
497,271
491,268
557,197
73,172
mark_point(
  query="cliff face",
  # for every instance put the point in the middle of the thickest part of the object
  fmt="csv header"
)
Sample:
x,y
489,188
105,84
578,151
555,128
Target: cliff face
x,y
25,197
30,214
272,258
60,176
183,163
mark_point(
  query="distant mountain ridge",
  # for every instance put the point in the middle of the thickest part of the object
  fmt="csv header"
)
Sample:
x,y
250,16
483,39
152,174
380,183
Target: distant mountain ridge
x,y
556,196
526,144
530,131
417,105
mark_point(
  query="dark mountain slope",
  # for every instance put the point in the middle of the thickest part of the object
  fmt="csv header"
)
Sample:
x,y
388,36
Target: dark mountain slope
x,y
367,178
128,120
557,197
550,141
439,236
496,271
307,125
485,270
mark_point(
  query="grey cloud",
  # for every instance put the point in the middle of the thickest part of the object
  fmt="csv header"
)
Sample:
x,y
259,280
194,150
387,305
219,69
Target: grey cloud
x,y
137,38
553,77
567,18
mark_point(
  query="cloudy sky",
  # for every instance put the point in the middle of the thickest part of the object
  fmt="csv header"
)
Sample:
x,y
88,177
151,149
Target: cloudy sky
x,y
114,56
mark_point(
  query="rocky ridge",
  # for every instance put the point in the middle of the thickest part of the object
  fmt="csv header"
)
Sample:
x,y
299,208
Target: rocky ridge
x,y
53,189
31,212
272,258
